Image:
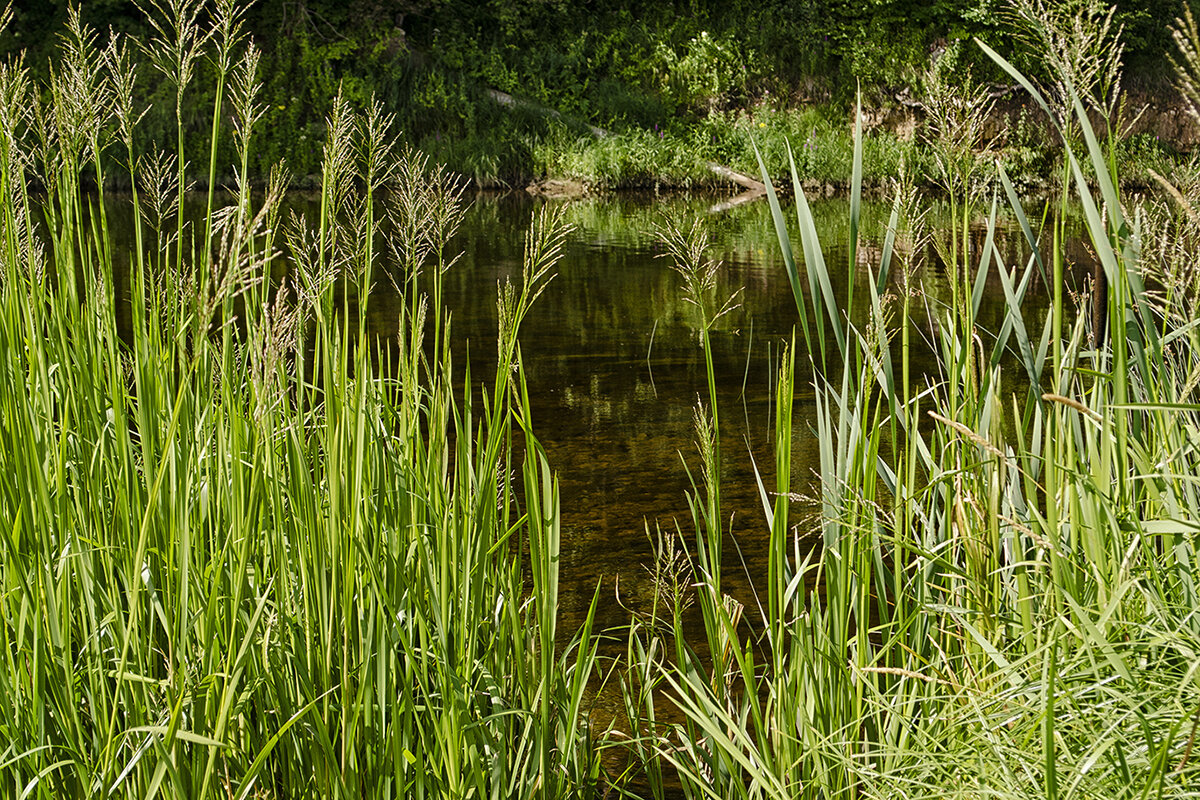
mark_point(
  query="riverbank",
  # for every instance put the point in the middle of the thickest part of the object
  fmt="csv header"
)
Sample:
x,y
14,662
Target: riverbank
x,y
1159,137
254,545
509,92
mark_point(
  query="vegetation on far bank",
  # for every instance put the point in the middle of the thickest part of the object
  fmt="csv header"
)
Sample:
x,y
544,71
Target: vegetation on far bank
x,y
674,84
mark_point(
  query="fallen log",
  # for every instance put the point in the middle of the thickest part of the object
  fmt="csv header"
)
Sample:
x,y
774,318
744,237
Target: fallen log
x,y
737,177
748,196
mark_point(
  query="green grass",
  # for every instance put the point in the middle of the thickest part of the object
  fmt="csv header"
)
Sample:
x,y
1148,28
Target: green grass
x,y
1003,603
248,550
678,156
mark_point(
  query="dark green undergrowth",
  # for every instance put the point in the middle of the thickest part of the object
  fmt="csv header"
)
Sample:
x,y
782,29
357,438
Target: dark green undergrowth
x,y
684,72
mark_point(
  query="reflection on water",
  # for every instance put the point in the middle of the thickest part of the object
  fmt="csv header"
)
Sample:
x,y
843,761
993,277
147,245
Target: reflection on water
x,y
615,370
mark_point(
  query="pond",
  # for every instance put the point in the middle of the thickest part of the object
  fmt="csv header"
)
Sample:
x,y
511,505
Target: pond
x,y
615,367
615,370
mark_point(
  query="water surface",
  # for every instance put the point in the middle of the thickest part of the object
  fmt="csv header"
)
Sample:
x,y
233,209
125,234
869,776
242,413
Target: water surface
x,y
615,370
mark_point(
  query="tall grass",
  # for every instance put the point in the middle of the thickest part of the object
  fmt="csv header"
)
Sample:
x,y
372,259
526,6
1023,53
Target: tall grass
x,y
247,550
250,551
1003,603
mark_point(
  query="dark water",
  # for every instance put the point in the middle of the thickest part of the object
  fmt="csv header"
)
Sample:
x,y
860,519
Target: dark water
x,y
615,370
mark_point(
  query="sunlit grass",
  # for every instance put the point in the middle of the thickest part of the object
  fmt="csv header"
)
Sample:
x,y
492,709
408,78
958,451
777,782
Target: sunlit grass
x,y
249,551
1003,604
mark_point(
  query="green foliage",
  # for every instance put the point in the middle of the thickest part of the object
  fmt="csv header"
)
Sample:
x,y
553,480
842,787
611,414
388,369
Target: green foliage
x,y
1146,31
998,594
1139,155
709,73
618,64
248,549
1023,151
681,156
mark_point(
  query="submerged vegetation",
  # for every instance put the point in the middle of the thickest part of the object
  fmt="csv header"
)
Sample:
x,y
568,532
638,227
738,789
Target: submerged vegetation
x,y
249,550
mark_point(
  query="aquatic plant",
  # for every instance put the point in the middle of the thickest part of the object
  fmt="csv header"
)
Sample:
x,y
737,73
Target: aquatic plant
x,y
1002,602
249,550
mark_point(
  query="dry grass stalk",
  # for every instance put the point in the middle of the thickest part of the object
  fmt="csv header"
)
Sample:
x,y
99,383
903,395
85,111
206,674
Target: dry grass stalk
x,y
1075,404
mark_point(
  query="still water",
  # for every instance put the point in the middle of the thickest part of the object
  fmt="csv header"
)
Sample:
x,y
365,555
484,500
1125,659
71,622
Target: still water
x,y
615,369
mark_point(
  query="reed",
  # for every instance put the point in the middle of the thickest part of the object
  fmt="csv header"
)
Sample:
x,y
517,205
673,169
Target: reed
x,y
247,549
1003,603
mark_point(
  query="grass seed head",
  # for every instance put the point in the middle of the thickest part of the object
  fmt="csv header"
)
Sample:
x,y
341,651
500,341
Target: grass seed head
x,y
1082,48
687,245
248,110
